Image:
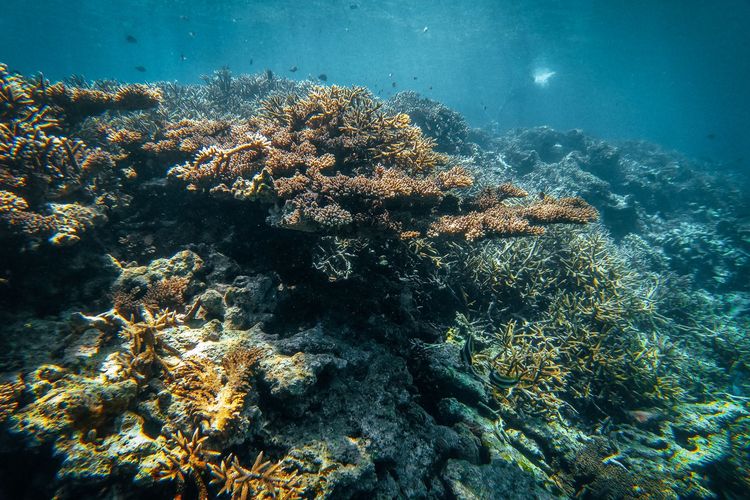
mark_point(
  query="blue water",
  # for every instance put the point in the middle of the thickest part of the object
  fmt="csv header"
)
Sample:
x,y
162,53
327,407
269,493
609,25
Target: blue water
x,y
671,72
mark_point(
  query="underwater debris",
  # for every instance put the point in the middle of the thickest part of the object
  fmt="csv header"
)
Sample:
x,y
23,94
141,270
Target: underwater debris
x,y
542,76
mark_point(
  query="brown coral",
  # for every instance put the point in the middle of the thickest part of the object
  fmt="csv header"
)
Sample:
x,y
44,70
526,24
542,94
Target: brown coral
x,y
332,161
213,400
40,163
263,479
76,103
186,458
147,347
504,220
10,391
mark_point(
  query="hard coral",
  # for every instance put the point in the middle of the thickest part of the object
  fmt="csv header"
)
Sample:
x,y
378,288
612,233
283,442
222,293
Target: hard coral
x,y
40,163
77,103
213,400
263,480
186,458
331,160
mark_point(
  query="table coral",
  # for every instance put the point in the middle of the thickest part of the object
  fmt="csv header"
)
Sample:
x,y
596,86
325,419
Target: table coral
x,y
333,161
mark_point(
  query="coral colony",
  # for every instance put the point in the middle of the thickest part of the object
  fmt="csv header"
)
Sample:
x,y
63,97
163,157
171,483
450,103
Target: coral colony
x,y
259,288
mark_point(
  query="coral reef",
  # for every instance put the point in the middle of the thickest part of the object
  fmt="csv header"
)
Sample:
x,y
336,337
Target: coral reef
x,y
337,162
445,126
53,185
426,329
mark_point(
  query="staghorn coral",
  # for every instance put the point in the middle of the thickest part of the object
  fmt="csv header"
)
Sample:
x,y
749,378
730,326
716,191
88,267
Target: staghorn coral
x,y
186,458
445,125
576,326
146,346
263,479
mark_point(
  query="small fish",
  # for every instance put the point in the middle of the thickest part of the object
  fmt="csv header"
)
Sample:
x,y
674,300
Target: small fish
x,y
269,75
191,34
430,87
4,281
251,60
415,78
425,29
311,115
353,6
184,18
393,84
323,77
293,69
542,76
131,39
140,68
645,416
183,57
711,136
499,381
468,350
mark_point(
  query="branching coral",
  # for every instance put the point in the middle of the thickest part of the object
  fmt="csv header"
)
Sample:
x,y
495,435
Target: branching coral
x,y
570,324
186,458
263,479
146,345
213,400
40,164
331,160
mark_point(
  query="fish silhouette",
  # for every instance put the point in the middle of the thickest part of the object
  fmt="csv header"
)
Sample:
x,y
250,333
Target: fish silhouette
x,y
323,77
131,39
140,68
293,69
